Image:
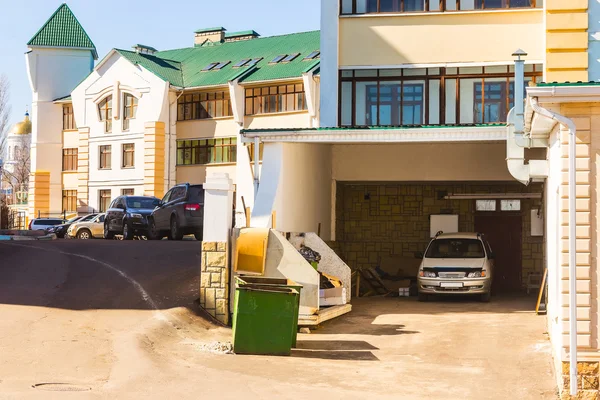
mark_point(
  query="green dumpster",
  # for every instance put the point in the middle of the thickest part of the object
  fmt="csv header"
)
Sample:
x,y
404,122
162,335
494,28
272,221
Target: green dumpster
x,y
265,316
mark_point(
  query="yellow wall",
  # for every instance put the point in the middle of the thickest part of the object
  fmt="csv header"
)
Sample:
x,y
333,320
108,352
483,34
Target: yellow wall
x,y
282,120
441,38
566,40
421,162
207,128
154,159
197,174
39,194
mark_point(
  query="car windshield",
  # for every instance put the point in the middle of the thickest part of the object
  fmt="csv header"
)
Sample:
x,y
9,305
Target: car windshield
x,y
73,220
48,222
87,218
142,202
455,248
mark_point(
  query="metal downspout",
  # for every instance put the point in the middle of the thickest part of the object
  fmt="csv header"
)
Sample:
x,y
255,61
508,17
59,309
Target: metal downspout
x,y
569,124
256,165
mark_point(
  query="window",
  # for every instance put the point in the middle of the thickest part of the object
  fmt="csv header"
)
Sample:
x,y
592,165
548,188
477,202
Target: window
x,y
206,151
69,160
105,157
127,192
204,106
105,111
492,205
312,56
278,58
348,7
242,63
510,205
290,58
104,200
68,118
128,155
69,200
428,96
254,62
130,104
274,99
221,65
485,205
209,67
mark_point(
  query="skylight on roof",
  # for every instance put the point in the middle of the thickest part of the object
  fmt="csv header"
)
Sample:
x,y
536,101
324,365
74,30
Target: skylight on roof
x,y
221,65
278,58
290,58
210,66
254,62
242,63
312,56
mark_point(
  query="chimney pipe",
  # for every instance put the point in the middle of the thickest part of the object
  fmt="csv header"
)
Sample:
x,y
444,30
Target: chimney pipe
x,y
519,91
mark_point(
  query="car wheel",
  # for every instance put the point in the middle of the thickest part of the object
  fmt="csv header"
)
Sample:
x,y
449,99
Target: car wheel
x,y
84,234
175,231
422,297
153,234
127,231
108,234
198,235
486,297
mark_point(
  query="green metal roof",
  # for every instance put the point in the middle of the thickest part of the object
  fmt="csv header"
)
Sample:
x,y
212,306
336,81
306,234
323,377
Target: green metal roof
x,y
63,30
242,33
373,128
193,59
578,83
143,46
207,30
167,70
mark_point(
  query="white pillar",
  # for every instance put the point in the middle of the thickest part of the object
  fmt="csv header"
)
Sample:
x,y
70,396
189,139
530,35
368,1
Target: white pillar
x,y
218,207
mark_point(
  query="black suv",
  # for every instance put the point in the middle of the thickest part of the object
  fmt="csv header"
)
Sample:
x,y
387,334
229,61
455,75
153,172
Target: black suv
x,y
181,212
128,216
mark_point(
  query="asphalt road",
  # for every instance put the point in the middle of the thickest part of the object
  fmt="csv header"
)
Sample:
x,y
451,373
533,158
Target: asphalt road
x,y
117,320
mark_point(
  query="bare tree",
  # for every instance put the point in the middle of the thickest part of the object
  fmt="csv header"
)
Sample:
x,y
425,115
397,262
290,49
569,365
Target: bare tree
x,y
4,112
16,175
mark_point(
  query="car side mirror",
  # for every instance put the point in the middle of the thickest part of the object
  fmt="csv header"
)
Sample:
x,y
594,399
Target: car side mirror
x,y
419,255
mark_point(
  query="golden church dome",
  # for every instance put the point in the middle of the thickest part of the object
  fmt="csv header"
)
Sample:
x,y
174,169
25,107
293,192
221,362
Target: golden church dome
x,y
23,127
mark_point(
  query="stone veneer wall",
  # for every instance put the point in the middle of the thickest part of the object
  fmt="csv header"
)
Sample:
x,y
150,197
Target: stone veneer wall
x,y
392,219
587,380
214,280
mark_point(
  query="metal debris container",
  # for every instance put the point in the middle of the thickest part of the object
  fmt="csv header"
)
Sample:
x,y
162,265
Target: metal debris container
x,y
265,315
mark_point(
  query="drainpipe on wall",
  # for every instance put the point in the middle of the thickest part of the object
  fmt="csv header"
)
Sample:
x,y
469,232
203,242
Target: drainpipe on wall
x,y
570,125
256,165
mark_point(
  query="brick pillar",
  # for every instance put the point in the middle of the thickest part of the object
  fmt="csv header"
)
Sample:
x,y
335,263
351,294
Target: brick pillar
x,y
214,280
39,194
154,159
83,171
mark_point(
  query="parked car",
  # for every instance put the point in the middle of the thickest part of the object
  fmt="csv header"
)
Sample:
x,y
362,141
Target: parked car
x,y
457,263
128,216
179,213
41,224
91,226
61,230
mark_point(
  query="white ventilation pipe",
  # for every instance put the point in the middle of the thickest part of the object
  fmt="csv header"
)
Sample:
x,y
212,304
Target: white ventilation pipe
x,y
256,165
570,125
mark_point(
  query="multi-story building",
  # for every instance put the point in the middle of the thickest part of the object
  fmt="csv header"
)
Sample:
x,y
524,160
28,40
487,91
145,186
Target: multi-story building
x,y
414,123
141,121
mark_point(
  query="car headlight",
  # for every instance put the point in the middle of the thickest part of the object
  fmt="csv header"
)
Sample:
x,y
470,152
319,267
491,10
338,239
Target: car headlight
x,y
427,274
478,274
137,216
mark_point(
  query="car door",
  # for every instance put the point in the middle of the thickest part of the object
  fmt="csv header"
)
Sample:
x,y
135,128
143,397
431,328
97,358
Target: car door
x,y
97,227
177,198
115,215
160,214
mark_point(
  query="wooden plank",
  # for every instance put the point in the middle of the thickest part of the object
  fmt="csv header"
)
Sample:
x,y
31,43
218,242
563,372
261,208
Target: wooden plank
x,y
542,287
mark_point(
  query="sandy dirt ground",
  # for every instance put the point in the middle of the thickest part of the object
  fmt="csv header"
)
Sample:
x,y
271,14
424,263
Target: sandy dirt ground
x,y
117,320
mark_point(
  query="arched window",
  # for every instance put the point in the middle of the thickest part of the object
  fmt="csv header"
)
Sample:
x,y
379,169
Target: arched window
x,y
130,104
105,112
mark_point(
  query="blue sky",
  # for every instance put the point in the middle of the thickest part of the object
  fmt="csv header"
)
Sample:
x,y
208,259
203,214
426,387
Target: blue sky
x,y
162,24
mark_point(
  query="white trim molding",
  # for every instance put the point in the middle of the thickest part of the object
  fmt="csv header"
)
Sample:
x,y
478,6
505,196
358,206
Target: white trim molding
x,y
391,135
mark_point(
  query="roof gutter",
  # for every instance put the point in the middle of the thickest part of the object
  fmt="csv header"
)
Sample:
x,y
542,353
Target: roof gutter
x,y
570,125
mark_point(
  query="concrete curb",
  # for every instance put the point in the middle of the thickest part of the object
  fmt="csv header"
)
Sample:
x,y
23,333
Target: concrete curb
x,y
18,238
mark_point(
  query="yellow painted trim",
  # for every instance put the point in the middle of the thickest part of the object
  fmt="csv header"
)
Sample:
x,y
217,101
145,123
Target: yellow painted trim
x,y
567,40
571,60
567,21
566,5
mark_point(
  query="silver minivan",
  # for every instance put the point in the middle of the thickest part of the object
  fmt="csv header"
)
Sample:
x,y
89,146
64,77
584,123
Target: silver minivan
x,y
457,263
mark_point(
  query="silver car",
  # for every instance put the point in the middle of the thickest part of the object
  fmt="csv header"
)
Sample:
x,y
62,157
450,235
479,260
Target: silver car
x,y
457,263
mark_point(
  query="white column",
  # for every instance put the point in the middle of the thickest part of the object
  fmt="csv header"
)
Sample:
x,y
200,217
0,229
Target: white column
x,y
218,207
329,63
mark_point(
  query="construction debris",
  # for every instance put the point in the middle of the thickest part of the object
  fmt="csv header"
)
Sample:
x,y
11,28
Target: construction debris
x,y
217,347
